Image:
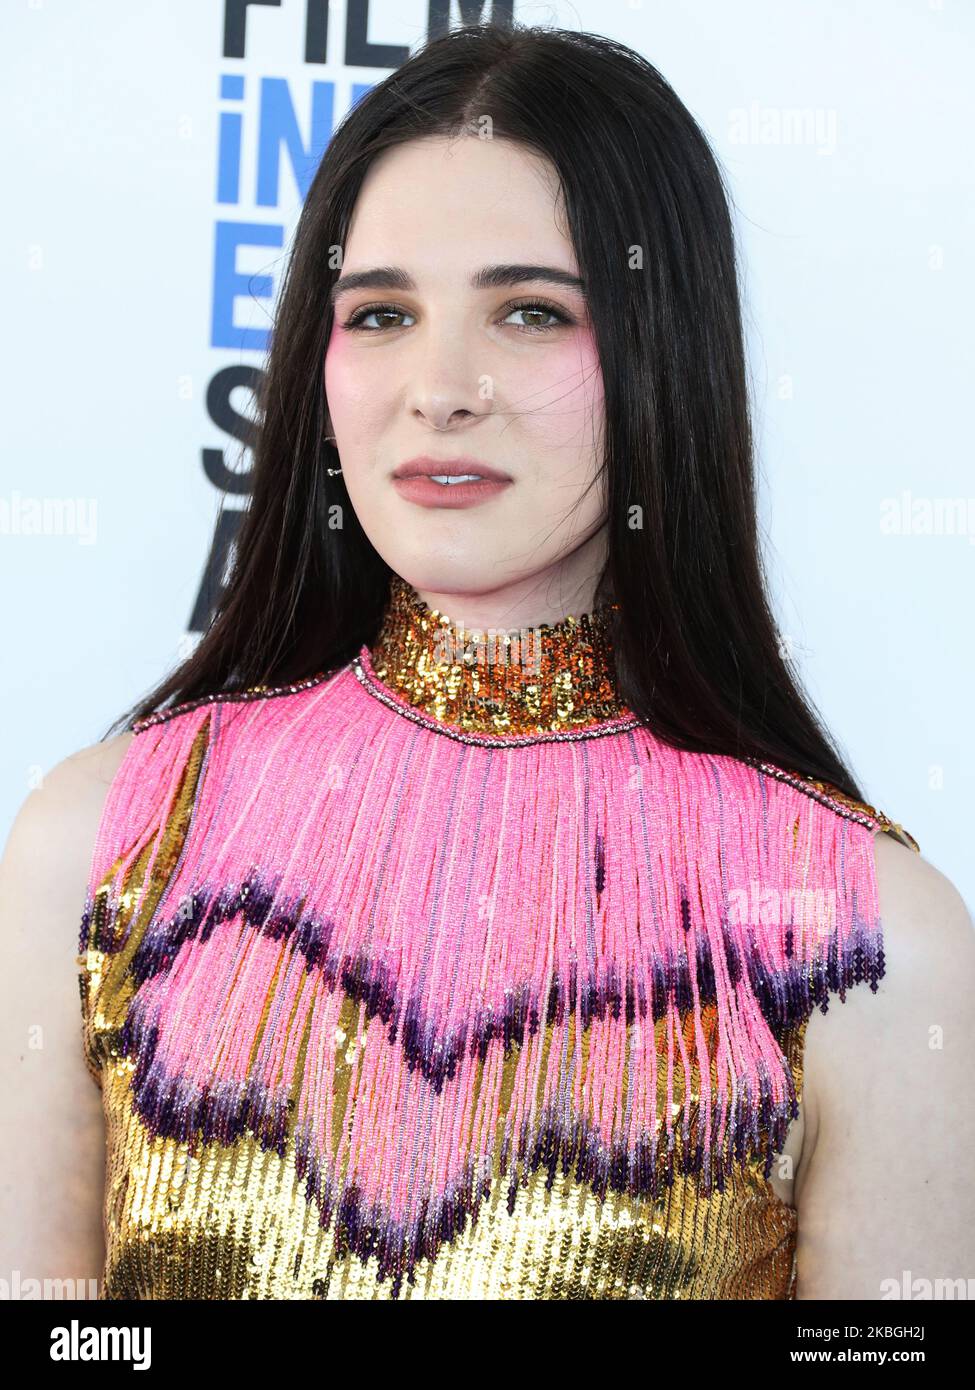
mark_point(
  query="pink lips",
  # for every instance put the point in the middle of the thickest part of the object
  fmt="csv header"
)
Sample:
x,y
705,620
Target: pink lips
x,y
414,482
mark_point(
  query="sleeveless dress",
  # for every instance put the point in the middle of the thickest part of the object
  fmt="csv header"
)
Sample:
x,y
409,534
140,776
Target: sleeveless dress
x,y
437,977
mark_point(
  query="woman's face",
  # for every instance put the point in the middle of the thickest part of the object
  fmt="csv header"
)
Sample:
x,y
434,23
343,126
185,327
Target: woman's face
x,y
432,363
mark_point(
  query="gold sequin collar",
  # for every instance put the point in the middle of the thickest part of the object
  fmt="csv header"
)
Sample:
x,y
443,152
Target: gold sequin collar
x,y
549,677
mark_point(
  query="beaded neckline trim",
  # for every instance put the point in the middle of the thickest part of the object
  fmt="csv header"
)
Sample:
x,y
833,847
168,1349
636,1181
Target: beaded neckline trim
x,y
363,669
836,800
254,692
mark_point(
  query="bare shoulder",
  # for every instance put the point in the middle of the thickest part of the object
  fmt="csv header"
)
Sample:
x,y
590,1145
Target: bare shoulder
x,y
47,857
929,941
51,1131
916,898
883,1184
50,845
90,771
64,810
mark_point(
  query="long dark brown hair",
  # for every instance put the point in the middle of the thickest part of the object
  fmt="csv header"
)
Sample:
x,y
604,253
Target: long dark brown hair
x,y
699,657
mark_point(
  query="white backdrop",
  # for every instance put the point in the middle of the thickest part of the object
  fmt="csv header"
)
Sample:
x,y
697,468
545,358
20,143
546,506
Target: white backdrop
x,y
845,130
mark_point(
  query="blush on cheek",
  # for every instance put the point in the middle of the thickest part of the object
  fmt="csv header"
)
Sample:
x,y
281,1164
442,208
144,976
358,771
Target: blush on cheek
x,y
336,366
334,345
562,396
357,394
355,378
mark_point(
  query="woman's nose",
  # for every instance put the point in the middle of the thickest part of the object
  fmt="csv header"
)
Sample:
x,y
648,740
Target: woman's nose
x,y
446,382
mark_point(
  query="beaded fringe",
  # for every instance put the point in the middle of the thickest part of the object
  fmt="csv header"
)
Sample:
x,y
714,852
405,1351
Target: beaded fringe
x,y
432,967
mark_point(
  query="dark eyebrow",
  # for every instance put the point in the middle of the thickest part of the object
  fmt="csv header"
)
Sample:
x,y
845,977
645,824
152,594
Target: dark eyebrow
x,y
489,277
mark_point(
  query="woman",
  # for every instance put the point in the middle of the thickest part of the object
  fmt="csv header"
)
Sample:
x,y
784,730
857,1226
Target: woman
x,y
422,961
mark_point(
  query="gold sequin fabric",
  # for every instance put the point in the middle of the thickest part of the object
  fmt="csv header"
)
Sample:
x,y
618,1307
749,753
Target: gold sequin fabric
x,y
548,676
386,1004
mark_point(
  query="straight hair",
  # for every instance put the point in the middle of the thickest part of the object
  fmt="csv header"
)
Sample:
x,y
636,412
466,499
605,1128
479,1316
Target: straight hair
x,y
698,655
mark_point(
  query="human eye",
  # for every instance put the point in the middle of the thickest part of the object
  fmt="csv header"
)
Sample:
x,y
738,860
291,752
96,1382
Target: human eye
x,y
538,307
356,321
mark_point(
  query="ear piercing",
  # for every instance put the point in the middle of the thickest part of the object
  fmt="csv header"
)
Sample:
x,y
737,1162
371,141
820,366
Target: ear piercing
x,y
332,472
